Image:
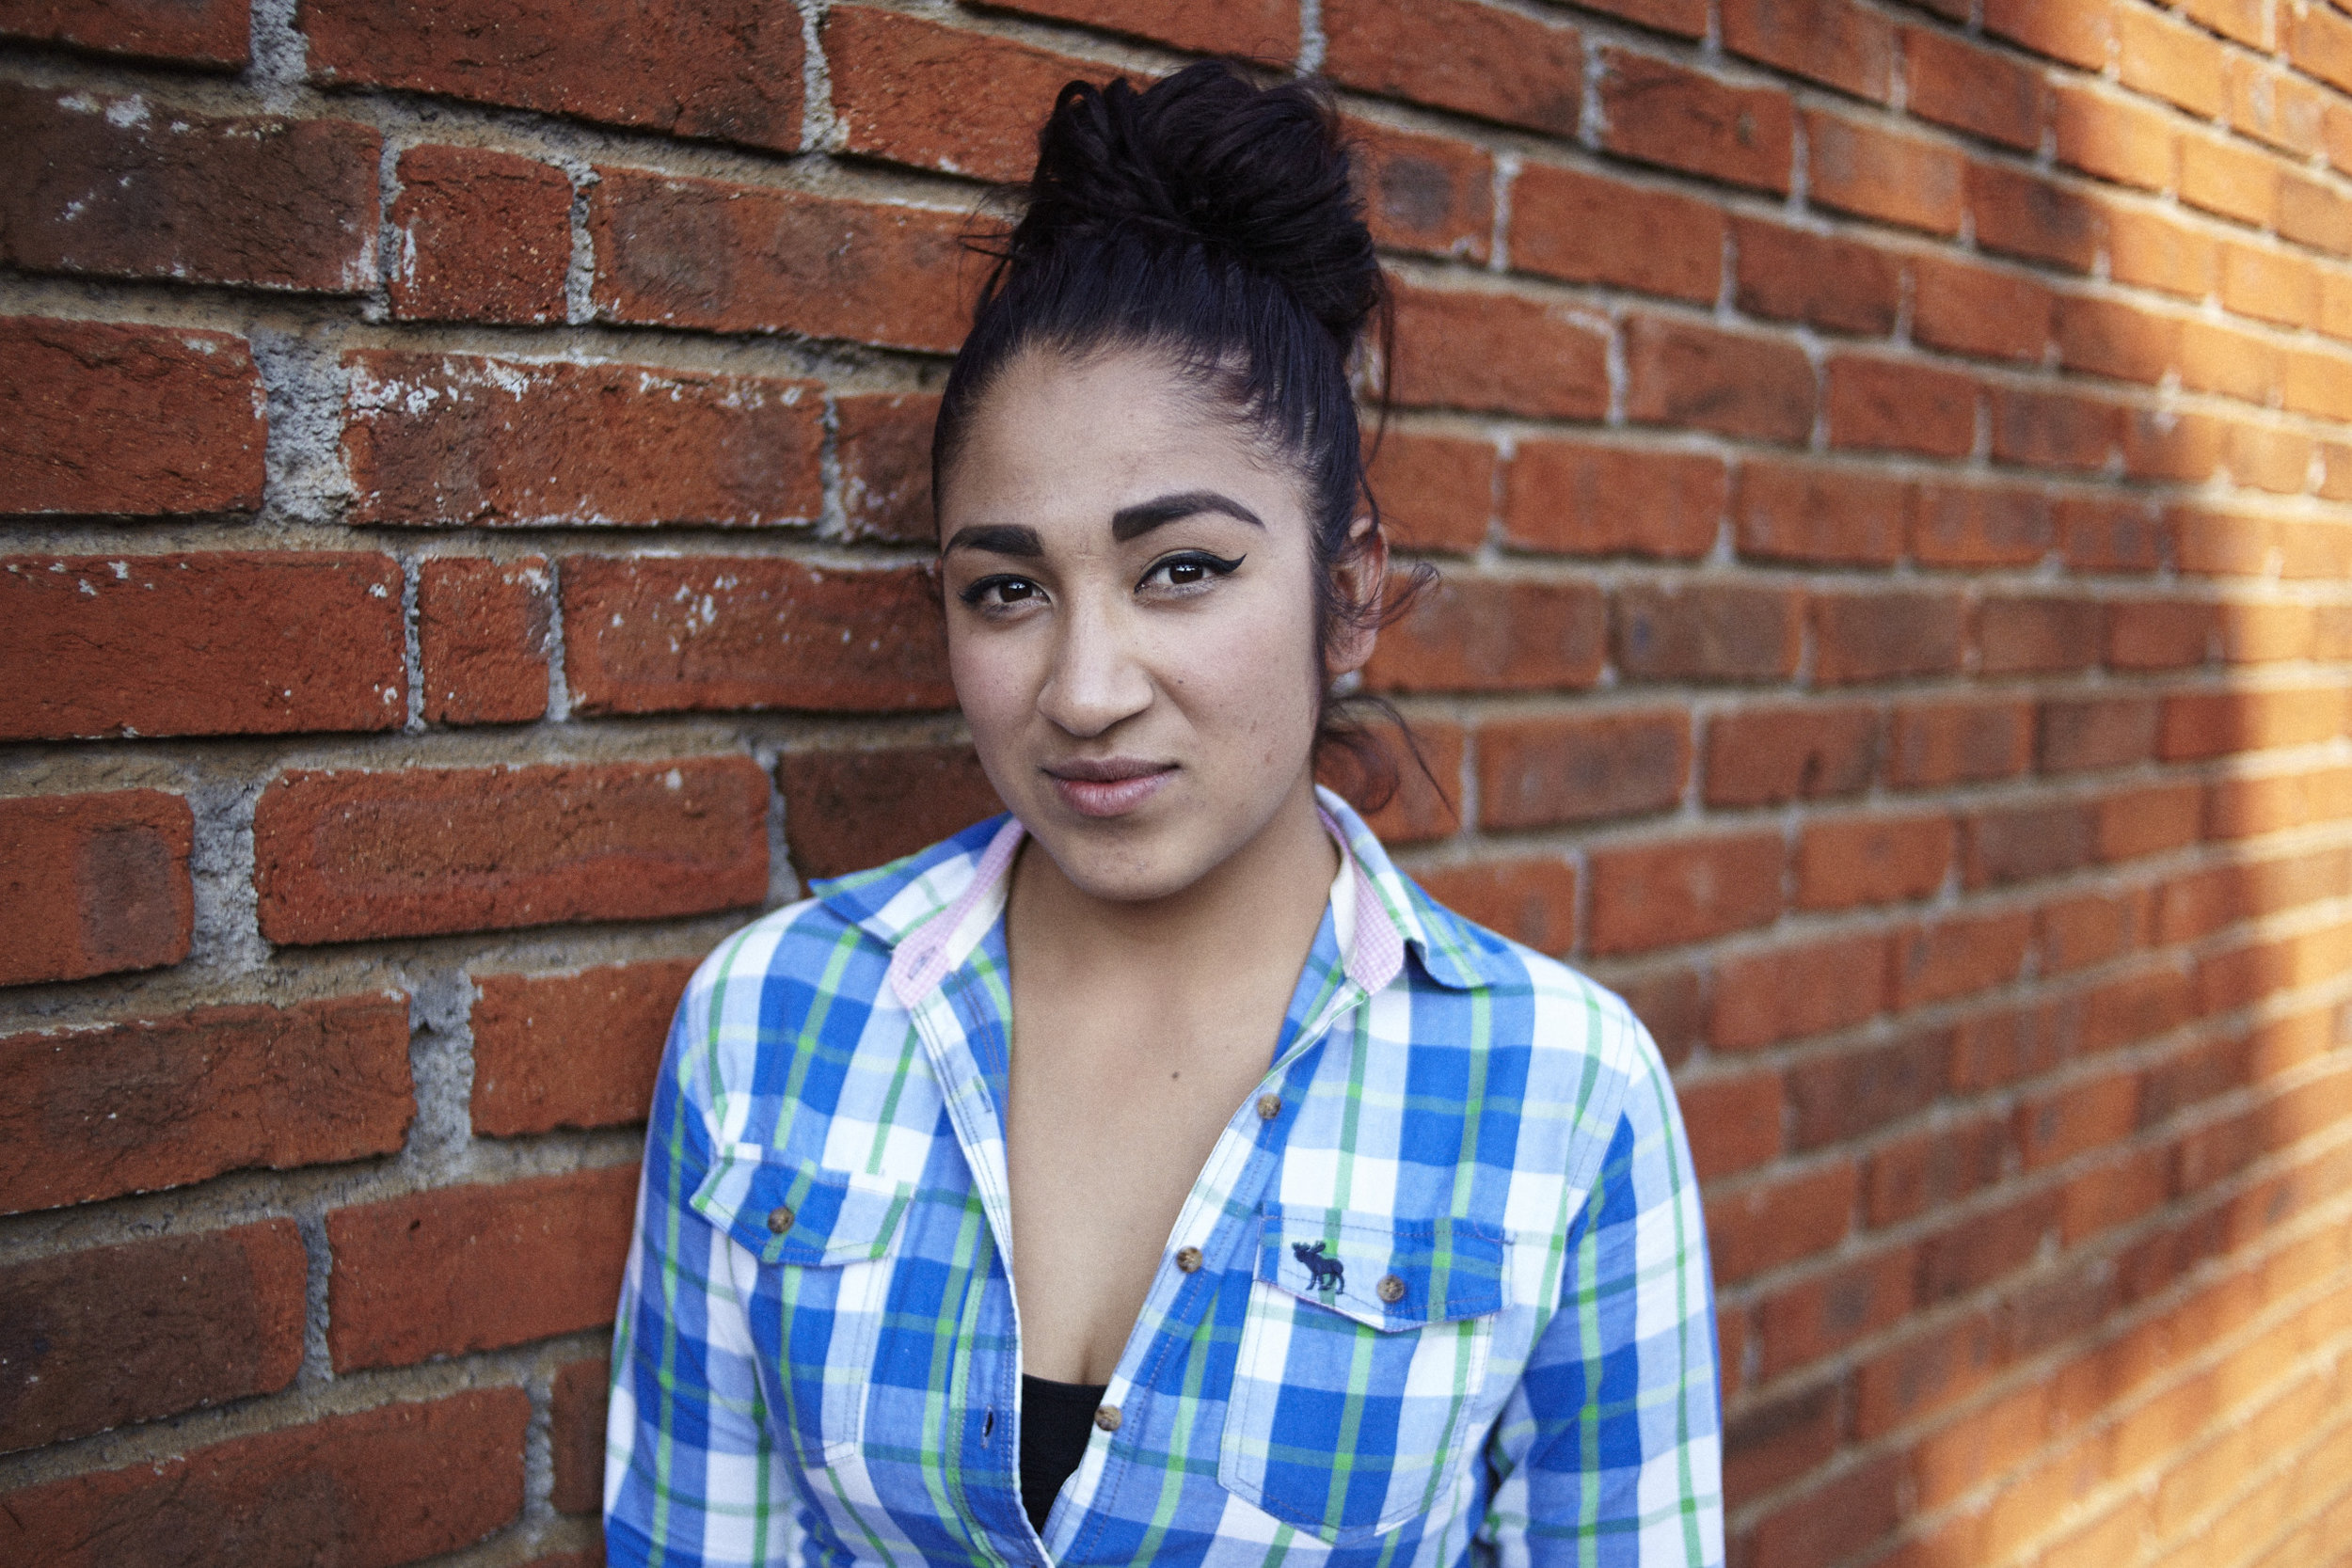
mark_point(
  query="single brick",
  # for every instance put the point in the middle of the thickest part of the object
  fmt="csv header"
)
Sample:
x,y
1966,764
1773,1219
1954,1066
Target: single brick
x,y
1684,890
847,810
1732,1122
372,1490
1982,525
1886,636
576,1417
1437,492
128,421
726,70
452,439
1882,404
1680,372
2279,108
1836,42
2121,338
1968,741
1426,194
1766,756
130,1107
2269,285
1872,860
2114,136
2151,249
2161,634
1780,1221
2090,928
2085,734
911,91
2265,457
110,1335
706,256
1806,512
2255,632
345,856
2110,533
1670,1000
1589,228
1830,281
94,884
483,632
200,33
458,1269
1859,1090
1454,55
228,643
1788,993
479,236
1499,353
577,1050
1258,29
1960,82
648,634
1980,310
2053,430
2014,844
2026,215
2314,214
1549,771
1662,113
1860,166
1583,498
2134,823
2163,57
120,187
2073,31
2201,724
1530,900
1477,634
884,442
2037,634
1957,956
1706,631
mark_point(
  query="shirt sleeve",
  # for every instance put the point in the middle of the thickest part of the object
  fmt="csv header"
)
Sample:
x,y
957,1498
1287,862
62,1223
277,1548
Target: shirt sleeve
x,y
1610,1450
691,1474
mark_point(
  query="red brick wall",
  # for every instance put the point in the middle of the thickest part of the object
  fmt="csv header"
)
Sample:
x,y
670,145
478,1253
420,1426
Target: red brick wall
x,y
462,481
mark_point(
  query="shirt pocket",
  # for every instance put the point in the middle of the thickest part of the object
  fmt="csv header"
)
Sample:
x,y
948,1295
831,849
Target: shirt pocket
x,y
822,1240
1361,1365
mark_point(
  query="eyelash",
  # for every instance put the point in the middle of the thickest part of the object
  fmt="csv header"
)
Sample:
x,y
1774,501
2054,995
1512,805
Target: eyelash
x,y
975,595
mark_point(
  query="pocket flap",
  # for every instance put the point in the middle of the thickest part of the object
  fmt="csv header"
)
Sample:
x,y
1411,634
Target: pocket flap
x,y
1385,1272
792,1211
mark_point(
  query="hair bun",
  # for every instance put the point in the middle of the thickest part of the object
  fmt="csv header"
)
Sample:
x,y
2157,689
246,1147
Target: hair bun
x,y
1258,176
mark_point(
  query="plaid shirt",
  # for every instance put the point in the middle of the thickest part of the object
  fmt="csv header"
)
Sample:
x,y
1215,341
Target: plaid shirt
x,y
1451,1296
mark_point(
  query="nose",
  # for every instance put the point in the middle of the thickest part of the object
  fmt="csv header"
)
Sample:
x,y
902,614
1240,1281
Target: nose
x,y
1096,679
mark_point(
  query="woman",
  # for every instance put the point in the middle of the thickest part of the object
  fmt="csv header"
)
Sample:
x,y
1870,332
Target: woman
x,y
1155,1173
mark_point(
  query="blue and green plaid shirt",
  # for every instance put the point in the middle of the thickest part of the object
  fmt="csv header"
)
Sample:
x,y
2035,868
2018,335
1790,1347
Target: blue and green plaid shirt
x,y
1450,1298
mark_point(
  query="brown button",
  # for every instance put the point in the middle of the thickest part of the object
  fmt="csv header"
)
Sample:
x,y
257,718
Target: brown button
x,y
1187,1258
1269,1106
780,1219
1392,1289
1107,1417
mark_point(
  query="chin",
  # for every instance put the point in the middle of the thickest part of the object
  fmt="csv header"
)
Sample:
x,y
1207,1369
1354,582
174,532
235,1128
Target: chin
x,y
1121,861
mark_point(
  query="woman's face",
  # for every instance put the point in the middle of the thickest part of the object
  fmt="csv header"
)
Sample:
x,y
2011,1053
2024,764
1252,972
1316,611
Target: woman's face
x,y
1130,596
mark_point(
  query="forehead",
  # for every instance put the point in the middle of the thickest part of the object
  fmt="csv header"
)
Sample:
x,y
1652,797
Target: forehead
x,y
1066,439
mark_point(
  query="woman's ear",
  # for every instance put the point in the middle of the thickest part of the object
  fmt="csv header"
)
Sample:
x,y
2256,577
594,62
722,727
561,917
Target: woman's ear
x,y
1359,577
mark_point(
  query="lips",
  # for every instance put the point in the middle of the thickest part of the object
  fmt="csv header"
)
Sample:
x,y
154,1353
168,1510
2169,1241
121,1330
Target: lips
x,y
1108,786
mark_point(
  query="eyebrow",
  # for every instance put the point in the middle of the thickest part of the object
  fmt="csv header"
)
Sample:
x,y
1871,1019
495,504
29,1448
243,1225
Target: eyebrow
x,y
1130,522
997,539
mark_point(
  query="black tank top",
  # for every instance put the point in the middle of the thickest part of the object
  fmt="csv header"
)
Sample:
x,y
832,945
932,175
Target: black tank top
x,y
1056,1419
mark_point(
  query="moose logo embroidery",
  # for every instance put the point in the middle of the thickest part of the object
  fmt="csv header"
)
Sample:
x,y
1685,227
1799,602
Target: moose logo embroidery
x,y
1326,1272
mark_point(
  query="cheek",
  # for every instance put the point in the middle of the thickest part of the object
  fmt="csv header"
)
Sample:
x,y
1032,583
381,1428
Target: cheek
x,y
1250,673
995,684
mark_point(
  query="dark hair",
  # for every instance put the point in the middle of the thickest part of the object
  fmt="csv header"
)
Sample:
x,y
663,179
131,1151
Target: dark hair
x,y
1213,221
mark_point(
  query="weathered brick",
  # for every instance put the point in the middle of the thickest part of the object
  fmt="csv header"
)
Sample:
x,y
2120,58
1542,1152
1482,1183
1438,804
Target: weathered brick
x,y
1931,1169
2082,734
122,187
1825,279
1426,194
2278,106
1261,29
483,632
1967,741
1808,512
2014,844
1860,166
2266,457
1478,634
1583,498
443,439
847,810
1732,1122
104,420
2256,632
1872,860
2053,430
1453,55
2161,634
2107,532
94,884
1982,525
2070,30
1958,954
911,91
727,70
228,643
578,1050
1549,771
2090,928
372,1490
1980,310
160,1102
1588,228
2200,724
706,256
1780,1220
1836,42
1683,890
457,1269
480,235
1881,404
343,856
200,33
1794,993
575,1418
884,443
110,1335
1680,372
672,634
2114,136
1531,899
1499,353
1706,631
2023,215
1437,492
1960,82
1884,636
2117,337
1662,113
1768,756
1857,1091
2150,821
2018,634
2216,356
